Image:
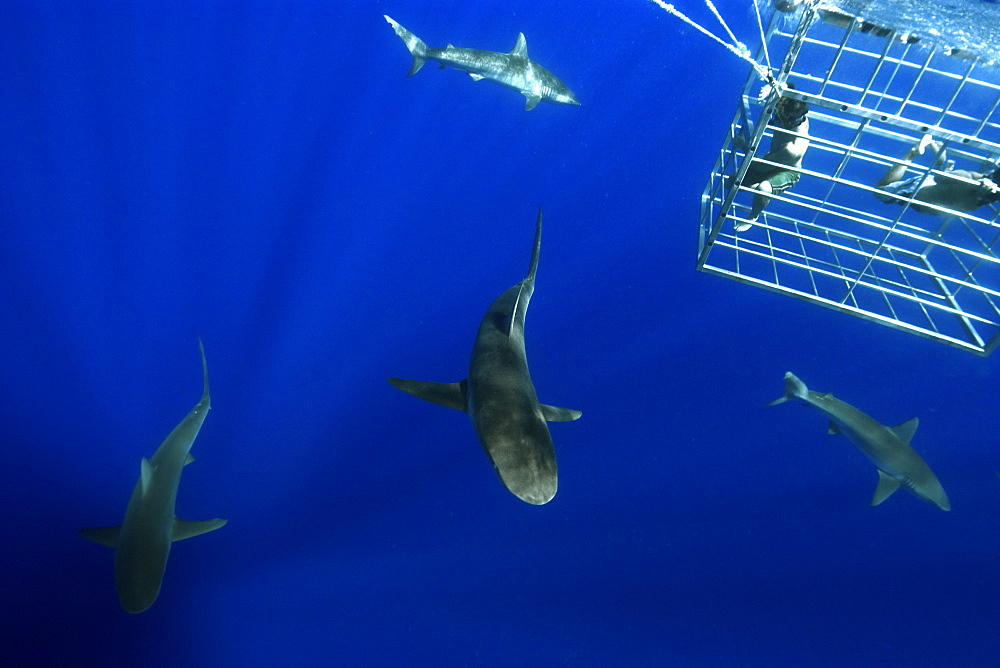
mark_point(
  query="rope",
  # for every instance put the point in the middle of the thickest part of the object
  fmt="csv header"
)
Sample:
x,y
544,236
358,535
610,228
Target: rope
x,y
763,40
737,47
715,11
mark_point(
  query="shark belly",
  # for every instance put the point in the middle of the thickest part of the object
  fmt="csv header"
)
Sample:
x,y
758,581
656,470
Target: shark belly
x,y
504,408
143,548
516,438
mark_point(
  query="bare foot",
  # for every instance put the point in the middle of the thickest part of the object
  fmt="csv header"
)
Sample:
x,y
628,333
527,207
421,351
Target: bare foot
x,y
926,141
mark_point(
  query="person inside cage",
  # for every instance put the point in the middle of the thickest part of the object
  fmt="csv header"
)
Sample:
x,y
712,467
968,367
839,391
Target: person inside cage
x,y
958,190
787,149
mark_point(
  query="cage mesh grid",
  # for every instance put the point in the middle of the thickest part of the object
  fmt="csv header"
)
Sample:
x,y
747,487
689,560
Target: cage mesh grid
x,y
828,240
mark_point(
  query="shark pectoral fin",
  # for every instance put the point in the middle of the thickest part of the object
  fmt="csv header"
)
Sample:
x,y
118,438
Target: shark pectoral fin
x,y
184,529
188,459
531,101
556,414
146,470
449,395
886,486
476,77
107,536
833,428
906,430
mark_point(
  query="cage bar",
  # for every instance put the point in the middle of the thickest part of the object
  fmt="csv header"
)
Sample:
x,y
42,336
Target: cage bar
x,y
828,240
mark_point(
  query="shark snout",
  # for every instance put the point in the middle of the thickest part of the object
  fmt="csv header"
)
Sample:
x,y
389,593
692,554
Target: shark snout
x,y
567,98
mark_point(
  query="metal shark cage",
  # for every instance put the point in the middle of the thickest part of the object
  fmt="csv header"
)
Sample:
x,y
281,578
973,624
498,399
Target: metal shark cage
x,y
872,94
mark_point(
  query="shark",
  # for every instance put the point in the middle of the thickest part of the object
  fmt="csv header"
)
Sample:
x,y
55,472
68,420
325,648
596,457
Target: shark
x,y
513,69
500,398
142,541
889,448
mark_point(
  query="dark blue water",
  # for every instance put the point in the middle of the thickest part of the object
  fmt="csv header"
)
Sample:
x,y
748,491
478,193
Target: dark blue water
x,y
263,176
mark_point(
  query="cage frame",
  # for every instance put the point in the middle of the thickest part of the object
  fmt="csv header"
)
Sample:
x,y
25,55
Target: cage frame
x,y
927,269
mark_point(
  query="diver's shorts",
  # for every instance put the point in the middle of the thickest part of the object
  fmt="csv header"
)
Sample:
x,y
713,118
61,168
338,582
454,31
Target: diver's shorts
x,y
891,193
783,180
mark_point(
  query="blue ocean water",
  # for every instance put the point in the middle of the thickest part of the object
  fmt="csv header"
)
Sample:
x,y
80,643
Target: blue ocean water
x,y
263,176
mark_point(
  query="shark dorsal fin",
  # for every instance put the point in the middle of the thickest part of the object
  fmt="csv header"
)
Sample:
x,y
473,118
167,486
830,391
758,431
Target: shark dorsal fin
x,y
886,486
520,47
146,470
906,430
188,459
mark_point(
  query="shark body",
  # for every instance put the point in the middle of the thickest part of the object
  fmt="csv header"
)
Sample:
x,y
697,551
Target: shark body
x,y
142,542
888,447
513,70
500,398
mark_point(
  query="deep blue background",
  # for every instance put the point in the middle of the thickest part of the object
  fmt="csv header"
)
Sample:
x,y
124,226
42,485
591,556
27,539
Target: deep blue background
x,y
263,175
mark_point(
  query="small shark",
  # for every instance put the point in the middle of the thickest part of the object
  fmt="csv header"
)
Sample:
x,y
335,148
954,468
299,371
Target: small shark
x,y
142,542
888,447
500,397
513,70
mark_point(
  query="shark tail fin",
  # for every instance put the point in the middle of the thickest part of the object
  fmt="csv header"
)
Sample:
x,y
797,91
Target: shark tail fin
x,y
794,389
413,43
449,395
528,284
205,398
536,248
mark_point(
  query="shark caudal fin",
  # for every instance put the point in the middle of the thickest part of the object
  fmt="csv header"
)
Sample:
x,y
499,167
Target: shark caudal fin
x,y
415,45
449,395
529,281
794,389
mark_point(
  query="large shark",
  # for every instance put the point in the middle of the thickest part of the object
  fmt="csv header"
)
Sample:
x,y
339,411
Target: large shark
x,y
888,447
500,397
513,70
142,542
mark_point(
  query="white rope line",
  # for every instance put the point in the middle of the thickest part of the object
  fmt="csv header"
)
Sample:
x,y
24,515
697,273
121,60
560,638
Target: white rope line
x,y
732,37
763,40
737,47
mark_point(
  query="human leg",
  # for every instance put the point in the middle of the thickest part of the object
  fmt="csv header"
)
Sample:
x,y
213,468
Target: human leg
x,y
896,172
